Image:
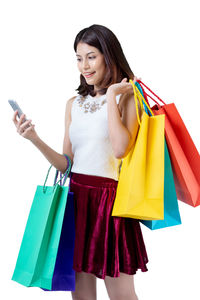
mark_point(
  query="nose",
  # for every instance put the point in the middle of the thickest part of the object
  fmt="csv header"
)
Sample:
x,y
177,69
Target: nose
x,y
85,64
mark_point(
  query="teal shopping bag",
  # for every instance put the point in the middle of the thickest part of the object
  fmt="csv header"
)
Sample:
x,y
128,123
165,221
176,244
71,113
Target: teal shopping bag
x,y
171,209
37,255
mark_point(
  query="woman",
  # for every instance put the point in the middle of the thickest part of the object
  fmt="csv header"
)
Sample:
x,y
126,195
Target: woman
x,y
100,128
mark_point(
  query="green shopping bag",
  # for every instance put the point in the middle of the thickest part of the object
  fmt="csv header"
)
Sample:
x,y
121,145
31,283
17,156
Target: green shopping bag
x,y
37,256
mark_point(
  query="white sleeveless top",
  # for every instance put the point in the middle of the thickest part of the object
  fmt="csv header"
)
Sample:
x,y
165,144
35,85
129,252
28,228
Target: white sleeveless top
x,y
88,133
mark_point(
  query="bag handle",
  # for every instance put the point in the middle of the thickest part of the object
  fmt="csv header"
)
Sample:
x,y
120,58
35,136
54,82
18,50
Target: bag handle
x,y
139,96
139,81
141,89
64,175
145,103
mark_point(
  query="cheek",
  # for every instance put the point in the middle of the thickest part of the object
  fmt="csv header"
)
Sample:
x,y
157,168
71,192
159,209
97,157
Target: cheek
x,y
78,66
99,66
102,69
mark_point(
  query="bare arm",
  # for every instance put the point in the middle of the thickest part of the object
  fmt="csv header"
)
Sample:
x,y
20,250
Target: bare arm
x,y
56,159
122,130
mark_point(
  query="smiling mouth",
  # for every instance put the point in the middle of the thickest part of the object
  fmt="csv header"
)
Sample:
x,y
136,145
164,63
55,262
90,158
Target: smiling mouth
x,y
89,75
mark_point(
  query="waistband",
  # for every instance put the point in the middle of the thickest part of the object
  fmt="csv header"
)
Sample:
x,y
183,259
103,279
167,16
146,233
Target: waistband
x,y
92,180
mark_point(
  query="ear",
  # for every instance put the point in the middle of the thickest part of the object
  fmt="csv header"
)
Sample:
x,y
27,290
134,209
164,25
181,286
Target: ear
x,y
124,80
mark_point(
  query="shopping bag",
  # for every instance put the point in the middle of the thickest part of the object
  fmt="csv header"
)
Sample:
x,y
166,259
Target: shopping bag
x,y
36,259
171,209
140,190
183,152
64,274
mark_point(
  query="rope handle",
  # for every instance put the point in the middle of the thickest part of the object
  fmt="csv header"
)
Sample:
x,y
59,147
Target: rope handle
x,y
139,96
145,104
151,92
64,175
142,91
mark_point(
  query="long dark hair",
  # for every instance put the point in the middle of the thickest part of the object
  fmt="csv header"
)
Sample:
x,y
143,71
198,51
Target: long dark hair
x,y
107,43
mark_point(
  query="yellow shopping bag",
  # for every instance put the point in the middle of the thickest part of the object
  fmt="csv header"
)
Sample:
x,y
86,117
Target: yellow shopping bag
x,y
140,190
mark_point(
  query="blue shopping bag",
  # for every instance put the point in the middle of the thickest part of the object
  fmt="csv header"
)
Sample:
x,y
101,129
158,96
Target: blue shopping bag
x,y
64,274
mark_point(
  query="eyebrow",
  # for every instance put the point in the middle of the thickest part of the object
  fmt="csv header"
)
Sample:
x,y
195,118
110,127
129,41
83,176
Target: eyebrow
x,y
86,54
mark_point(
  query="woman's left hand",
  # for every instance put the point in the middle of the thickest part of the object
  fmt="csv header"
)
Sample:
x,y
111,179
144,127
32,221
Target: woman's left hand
x,y
122,87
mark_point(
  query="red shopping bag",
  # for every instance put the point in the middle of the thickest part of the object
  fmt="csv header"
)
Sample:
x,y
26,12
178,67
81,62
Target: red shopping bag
x,y
184,156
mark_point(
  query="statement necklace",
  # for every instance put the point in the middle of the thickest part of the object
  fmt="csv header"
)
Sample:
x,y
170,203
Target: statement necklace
x,y
91,106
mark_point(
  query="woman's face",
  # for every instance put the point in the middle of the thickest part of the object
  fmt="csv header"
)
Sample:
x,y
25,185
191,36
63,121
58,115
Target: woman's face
x,y
90,60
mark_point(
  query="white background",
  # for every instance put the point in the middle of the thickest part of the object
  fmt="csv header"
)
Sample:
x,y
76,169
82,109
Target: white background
x,y
38,69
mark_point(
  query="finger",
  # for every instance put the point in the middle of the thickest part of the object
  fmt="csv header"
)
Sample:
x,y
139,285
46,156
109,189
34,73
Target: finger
x,y
124,80
135,79
138,79
130,86
130,89
21,120
23,129
27,130
15,117
22,117
24,125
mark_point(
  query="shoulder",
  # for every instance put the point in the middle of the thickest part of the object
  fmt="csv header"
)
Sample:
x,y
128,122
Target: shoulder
x,y
69,106
71,100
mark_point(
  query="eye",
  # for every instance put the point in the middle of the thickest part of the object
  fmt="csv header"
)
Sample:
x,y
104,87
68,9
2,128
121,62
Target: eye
x,y
90,57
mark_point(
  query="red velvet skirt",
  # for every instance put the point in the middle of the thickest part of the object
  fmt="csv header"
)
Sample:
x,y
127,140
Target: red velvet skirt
x,y
105,245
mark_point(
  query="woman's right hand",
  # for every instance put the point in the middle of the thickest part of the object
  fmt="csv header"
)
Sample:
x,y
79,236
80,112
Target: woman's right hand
x,y
26,129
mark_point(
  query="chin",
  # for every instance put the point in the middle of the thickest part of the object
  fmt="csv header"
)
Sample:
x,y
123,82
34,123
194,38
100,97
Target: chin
x,y
91,82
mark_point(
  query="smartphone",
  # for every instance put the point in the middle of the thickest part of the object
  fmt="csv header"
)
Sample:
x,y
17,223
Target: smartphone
x,y
15,107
